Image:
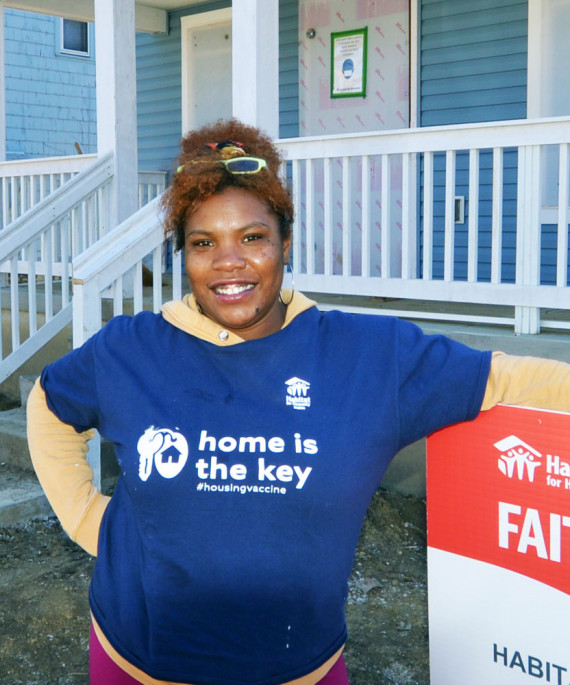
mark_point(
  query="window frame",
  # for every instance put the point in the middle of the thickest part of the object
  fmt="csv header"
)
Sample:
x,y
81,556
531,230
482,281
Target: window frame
x,y
62,50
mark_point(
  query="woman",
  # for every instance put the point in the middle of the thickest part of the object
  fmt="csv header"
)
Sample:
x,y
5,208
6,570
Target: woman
x,y
252,431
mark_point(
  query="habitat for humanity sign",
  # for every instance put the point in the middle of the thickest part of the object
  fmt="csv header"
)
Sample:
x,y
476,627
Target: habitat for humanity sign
x,y
498,495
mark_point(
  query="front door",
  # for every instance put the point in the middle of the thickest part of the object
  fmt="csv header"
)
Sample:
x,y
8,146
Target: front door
x,y
206,68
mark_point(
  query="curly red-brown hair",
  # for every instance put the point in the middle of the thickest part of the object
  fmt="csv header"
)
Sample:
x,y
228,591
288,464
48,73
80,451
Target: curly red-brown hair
x,y
196,179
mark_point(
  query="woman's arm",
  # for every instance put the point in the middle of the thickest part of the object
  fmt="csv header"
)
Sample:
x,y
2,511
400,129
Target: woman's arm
x,y
528,381
59,456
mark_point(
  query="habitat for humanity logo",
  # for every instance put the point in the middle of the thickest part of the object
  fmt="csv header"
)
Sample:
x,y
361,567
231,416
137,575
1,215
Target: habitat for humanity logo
x,y
297,393
517,457
163,448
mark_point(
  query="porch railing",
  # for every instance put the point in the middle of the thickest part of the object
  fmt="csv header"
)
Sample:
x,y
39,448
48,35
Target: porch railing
x,y
25,183
468,215
108,277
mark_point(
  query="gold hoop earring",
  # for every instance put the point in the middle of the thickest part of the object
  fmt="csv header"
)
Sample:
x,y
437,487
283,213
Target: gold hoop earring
x,y
290,271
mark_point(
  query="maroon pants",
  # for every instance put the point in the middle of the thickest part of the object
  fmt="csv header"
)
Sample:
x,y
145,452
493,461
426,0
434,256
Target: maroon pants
x,y
104,671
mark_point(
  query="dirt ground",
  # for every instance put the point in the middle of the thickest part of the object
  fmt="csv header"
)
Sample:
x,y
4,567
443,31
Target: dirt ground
x,y
44,615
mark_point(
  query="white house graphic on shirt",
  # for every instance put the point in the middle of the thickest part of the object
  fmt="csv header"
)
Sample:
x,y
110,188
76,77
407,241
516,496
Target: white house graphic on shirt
x,y
298,393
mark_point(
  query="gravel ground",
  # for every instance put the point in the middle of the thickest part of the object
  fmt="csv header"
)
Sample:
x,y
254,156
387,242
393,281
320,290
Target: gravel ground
x,y
44,615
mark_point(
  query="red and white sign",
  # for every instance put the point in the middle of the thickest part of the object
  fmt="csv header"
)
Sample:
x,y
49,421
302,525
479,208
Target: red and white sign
x,y
498,504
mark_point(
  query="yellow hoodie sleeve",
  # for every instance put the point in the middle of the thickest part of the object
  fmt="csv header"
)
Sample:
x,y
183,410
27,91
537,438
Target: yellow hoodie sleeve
x,y
59,456
529,382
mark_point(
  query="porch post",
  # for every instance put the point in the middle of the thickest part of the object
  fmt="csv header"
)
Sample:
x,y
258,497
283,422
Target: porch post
x,y
2,86
116,101
255,59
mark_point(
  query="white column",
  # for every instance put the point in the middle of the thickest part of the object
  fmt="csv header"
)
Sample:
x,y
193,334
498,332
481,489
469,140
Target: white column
x,y
255,59
2,86
116,100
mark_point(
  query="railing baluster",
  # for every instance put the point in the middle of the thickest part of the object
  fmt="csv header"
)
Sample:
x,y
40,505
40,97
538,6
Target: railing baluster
x,y
177,275
14,303
13,198
386,239
297,229
48,282
449,249
32,290
562,241
327,200
409,232
5,202
365,215
427,260
310,216
118,296
346,223
473,221
138,288
497,216
65,259
157,279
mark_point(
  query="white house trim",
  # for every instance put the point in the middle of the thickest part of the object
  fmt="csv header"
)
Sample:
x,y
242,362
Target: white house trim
x,y
116,101
414,62
255,38
148,19
534,59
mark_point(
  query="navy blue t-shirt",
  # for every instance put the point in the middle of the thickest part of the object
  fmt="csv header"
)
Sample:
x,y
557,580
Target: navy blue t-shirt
x,y
246,472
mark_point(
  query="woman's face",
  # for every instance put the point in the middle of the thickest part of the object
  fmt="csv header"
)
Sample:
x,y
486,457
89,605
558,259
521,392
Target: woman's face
x,y
234,258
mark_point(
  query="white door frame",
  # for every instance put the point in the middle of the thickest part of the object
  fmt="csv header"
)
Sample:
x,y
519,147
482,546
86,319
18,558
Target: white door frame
x,y
538,15
189,23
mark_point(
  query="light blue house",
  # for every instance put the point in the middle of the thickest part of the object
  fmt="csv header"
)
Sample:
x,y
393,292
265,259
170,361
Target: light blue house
x,y
50,101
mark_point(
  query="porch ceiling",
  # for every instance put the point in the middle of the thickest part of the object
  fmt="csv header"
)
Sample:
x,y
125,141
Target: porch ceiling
x,y
169,4
150,14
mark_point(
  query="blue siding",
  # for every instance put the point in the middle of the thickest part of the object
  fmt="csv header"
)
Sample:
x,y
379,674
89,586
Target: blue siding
x,y
50,97
288,68
473,61
473,69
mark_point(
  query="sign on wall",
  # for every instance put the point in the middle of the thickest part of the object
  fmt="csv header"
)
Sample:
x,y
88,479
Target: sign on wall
x,y
349,63
498,493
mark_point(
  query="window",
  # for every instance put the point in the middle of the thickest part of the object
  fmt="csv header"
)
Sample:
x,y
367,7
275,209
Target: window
x,y
75,37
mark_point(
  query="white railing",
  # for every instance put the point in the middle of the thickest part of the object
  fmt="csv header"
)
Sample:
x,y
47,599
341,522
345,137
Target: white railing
x,y
377,216
25,183
51,213
151,185
36,251
111,272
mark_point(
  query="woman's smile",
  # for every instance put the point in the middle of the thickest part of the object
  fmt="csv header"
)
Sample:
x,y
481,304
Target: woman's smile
x,y
234,257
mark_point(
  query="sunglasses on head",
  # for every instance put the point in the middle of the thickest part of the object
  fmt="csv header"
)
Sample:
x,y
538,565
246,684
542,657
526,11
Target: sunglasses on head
x,y
237,165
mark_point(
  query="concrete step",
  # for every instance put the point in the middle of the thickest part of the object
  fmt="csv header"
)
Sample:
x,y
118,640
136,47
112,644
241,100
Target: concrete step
x,y
13,441
21,496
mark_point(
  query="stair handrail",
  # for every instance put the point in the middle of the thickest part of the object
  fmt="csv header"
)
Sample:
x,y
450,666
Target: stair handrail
x,y
41,243
99,272
51,209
